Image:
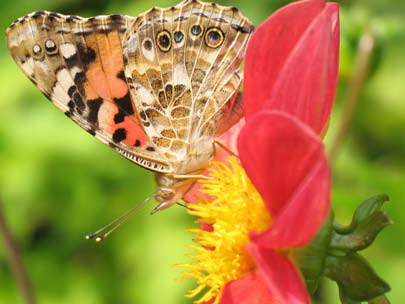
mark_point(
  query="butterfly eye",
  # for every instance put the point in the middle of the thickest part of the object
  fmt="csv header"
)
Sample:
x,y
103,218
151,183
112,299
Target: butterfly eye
x,y
214,37
178,36
196,30
50,47
164,41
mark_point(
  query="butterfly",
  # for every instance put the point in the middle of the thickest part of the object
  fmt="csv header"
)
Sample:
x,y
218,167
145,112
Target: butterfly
x,y
158,88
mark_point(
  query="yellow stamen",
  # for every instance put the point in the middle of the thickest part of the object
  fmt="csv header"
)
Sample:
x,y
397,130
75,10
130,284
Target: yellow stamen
x,y
235,210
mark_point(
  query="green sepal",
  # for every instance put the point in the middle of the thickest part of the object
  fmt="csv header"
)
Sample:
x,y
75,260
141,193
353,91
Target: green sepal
x,y
365,209
311,258
363,234
355,277
333,253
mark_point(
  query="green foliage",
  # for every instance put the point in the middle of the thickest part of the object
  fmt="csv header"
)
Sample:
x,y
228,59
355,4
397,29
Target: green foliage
x,y
333,253
58,183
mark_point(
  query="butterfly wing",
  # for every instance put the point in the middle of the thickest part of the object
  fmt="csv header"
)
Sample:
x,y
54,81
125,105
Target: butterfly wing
x,y
183,65
217,73
78,64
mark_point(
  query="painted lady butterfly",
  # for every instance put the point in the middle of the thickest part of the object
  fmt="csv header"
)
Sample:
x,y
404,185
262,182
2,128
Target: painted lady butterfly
x,y
157,88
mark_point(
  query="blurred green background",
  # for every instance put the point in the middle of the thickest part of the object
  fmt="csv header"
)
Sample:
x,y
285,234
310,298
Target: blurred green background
x,y
58,183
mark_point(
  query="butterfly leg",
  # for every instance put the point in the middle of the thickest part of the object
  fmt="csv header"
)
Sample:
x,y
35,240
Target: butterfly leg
x,y
182,205
217,143
163,205
191,176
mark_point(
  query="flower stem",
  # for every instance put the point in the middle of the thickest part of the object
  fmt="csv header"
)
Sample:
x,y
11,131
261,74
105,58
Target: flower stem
x,y
15,261
355,85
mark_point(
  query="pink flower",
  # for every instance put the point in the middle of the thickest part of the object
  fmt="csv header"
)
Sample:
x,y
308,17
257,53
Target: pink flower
x,y
289,88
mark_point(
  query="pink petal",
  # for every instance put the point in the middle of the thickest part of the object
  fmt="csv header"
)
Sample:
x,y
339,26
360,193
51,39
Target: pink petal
x,y
304,213
292,62
286,162
229,139
249,289
279,275
269,49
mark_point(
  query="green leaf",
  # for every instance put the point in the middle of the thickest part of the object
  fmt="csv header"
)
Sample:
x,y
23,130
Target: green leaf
x,y
355,277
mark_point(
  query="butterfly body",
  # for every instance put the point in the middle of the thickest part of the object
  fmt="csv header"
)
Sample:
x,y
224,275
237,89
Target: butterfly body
x,y
157,88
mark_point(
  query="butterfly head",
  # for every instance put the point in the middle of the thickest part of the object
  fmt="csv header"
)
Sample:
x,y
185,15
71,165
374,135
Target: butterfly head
x,y
170,190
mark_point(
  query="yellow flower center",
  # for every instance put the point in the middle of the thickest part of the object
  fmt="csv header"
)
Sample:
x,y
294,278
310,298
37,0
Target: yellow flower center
x,y
235,210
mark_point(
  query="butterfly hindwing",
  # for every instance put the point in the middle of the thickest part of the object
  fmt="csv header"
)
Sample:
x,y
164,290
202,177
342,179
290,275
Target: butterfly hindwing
x,y
78,64
183,65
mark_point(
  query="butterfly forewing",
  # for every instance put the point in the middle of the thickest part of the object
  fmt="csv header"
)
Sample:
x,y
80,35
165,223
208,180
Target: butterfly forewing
x,y
78,64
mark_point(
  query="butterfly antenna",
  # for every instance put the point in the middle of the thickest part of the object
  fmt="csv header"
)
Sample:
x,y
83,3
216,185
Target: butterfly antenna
x,y
117,222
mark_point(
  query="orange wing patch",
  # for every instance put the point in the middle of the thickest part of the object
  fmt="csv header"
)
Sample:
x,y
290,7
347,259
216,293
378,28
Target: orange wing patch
x,y
78,64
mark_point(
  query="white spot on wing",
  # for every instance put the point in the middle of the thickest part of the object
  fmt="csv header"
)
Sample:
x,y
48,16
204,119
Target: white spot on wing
x,y
12,42
145,96
64,78
149,54
132,45
75,70
49,44
180,74
28,66
105,114
60,95
36,49
60,89
67,50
